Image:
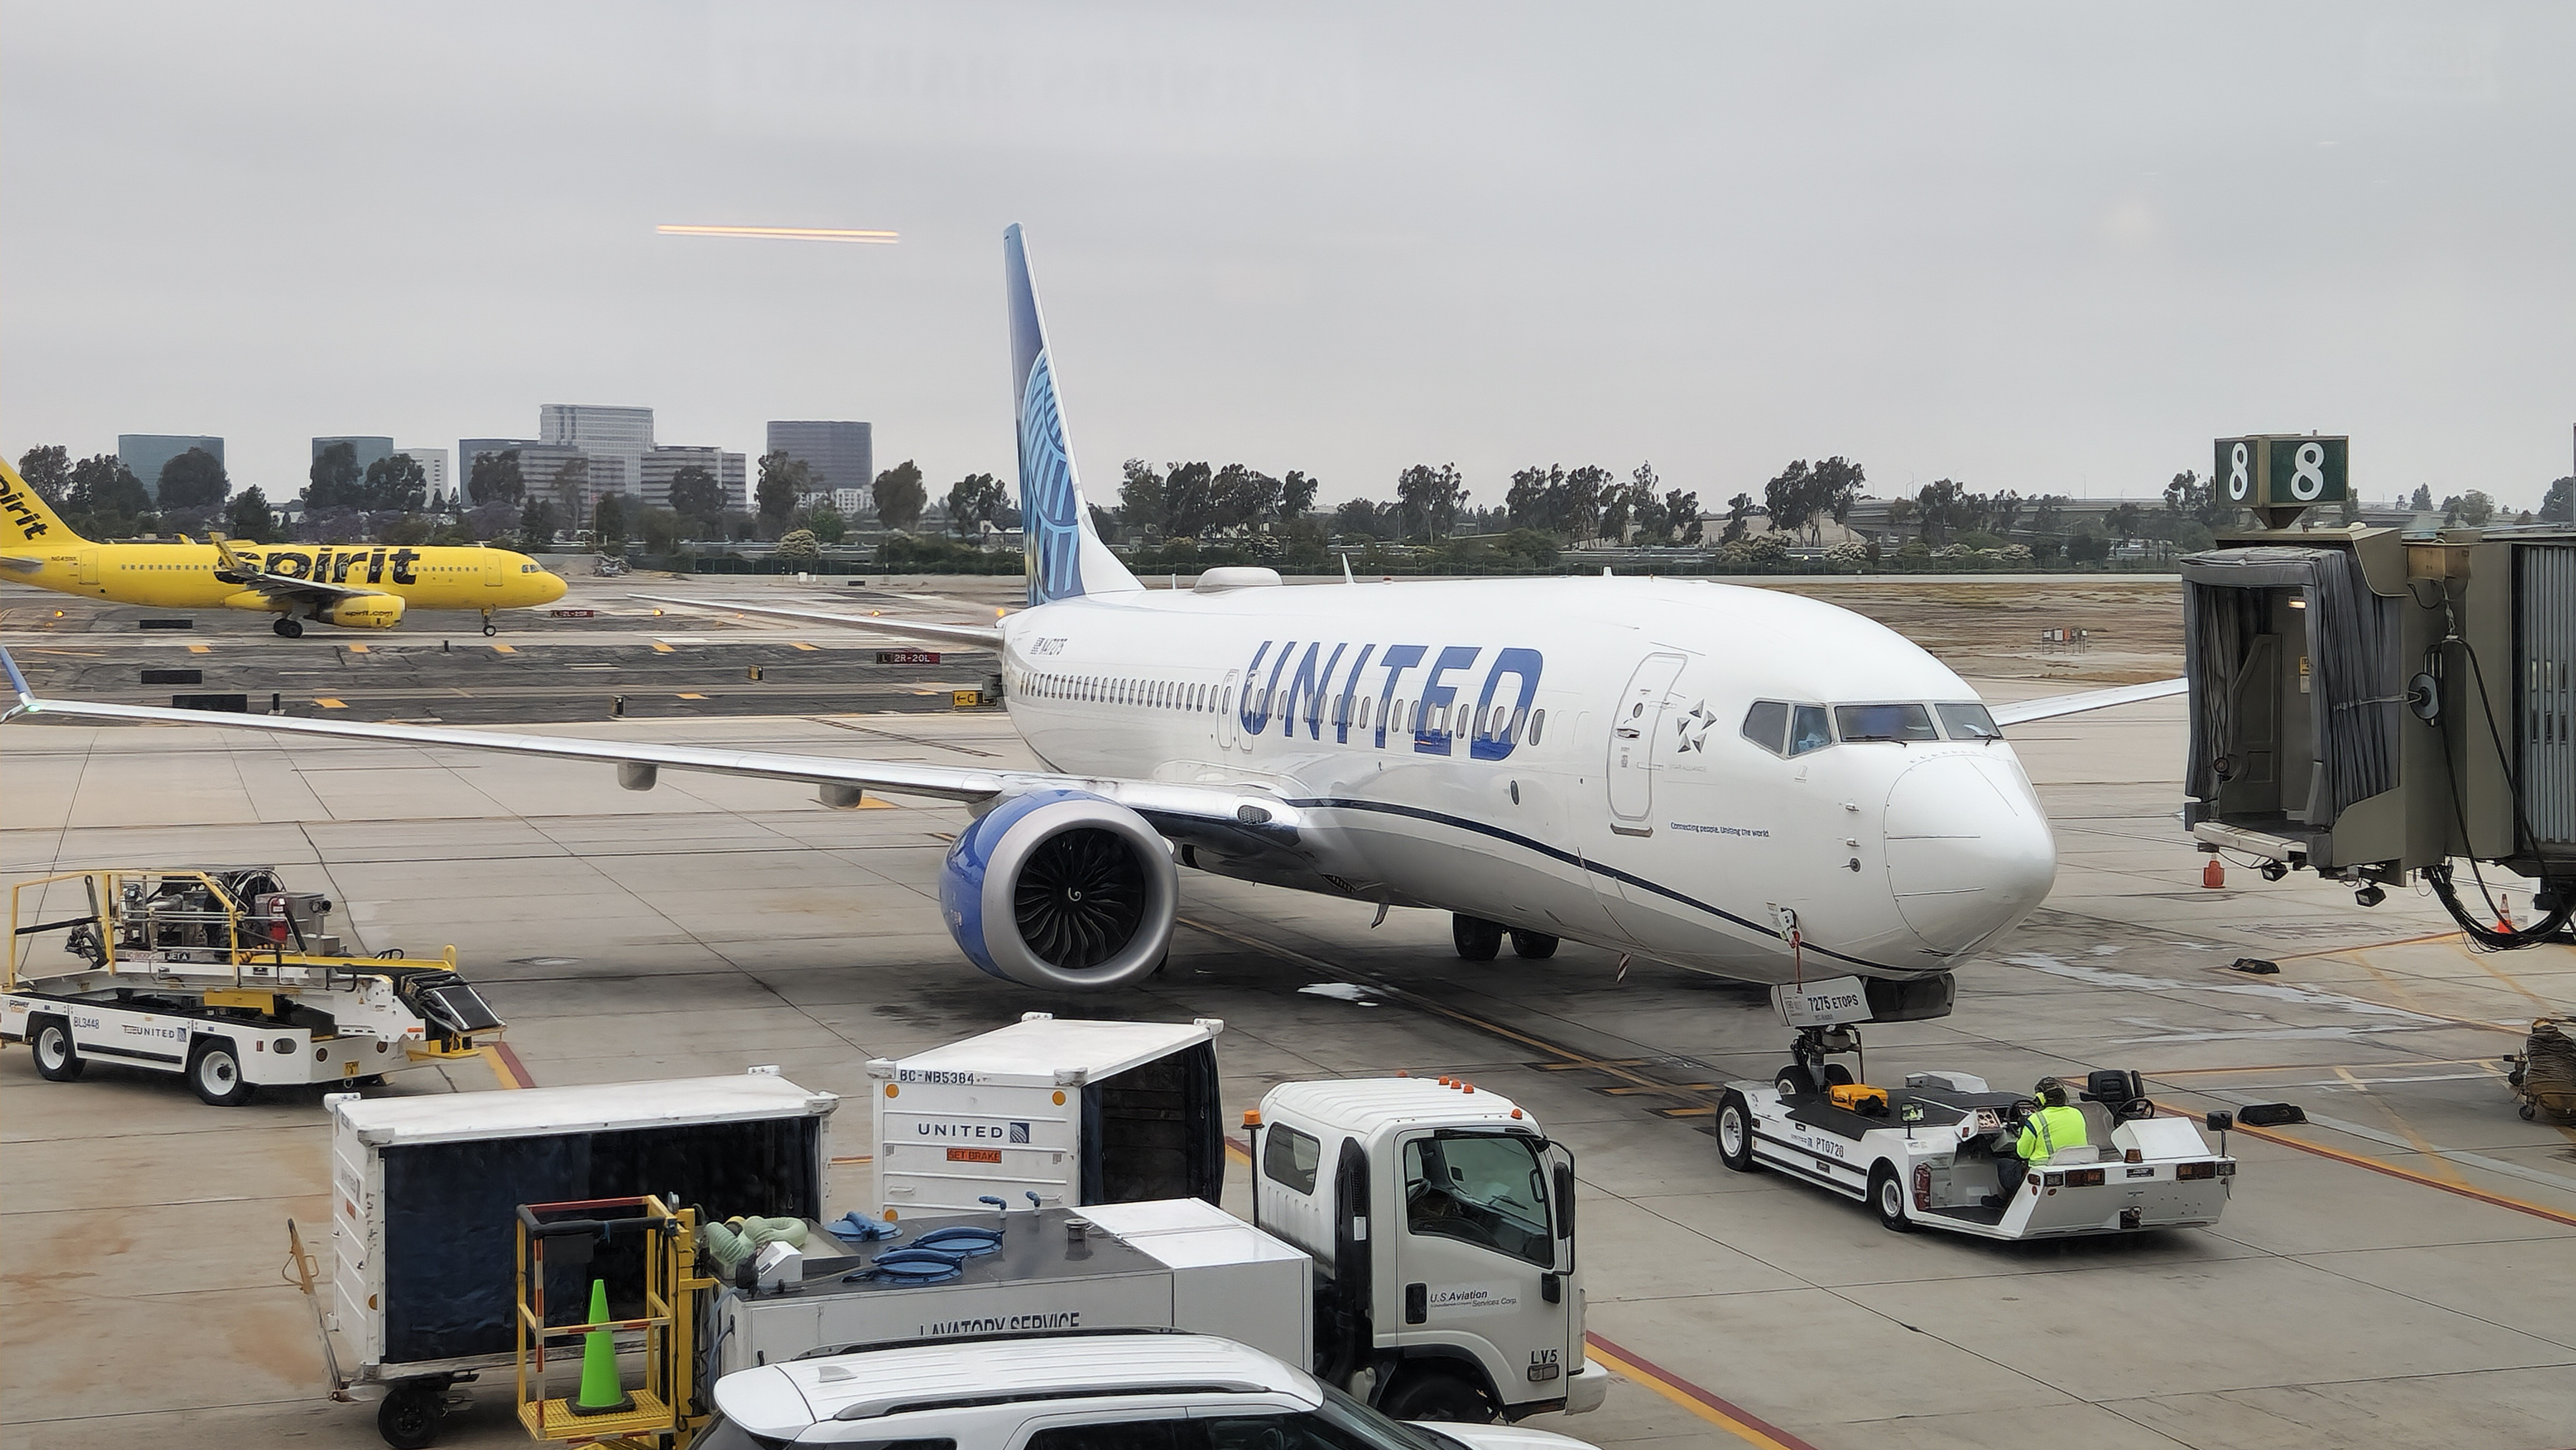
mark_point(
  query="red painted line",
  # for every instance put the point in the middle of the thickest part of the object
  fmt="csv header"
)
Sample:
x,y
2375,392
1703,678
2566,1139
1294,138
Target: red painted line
x,y
1723,1407
517,1068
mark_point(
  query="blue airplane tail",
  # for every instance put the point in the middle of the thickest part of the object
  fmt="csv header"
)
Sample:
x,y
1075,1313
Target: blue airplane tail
x,y
1066,557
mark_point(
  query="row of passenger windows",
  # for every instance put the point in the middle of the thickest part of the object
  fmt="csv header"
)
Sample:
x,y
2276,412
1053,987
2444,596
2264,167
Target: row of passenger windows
x,y
1787,729
1503,723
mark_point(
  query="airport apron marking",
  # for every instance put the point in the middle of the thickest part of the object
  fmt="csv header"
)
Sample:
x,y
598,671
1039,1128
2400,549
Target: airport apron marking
x,y
1572,859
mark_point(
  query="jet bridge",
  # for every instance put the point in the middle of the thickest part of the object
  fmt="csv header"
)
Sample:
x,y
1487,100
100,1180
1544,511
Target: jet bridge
x,y
2368,705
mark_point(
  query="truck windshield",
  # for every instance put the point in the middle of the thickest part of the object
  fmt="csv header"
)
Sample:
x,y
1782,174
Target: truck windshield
x,y
1487,1189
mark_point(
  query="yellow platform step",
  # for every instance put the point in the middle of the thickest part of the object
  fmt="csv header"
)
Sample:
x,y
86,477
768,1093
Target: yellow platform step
x,y
554,1420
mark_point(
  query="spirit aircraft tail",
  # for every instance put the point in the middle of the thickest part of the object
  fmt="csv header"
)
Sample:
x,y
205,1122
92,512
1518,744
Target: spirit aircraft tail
x,y
1065,554
27,526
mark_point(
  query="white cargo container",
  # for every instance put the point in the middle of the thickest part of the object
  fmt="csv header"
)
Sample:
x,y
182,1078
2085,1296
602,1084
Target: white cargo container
x,y
425,1193
1180,1264
1075,1112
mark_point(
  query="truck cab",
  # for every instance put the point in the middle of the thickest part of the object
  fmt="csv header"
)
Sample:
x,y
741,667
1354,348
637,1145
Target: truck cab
x,y
1441,1221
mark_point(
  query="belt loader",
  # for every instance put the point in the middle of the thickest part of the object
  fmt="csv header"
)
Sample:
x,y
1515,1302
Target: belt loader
x,y
223,976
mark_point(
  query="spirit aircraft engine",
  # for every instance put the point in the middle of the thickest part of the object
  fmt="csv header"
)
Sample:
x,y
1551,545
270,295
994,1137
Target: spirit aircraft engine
x,y
362,611
1061,889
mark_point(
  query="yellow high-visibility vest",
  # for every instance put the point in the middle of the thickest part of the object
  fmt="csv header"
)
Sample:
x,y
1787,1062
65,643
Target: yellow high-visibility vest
x,y
2049,1130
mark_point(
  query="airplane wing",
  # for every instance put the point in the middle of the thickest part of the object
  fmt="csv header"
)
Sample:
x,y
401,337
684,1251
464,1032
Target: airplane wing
x,y
245,569
981,636
1234,820
2025,711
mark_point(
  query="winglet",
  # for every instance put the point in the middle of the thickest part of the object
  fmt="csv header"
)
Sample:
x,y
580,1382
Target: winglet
x,y
27,701
1346,568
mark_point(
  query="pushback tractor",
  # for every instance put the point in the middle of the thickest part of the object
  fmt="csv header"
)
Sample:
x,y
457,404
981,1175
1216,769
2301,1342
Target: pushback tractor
x,y
1940,1151
224,977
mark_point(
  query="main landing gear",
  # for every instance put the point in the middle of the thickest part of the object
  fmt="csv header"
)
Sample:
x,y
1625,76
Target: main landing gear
x,y
1479,940
288,627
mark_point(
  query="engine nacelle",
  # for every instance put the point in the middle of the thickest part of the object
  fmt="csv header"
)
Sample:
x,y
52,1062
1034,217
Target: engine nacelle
x,y
363,611
1061,889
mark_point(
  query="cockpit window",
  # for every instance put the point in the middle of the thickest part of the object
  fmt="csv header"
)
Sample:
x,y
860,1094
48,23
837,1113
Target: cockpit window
x,y
1967,722
1765,723
1808,731
1884,722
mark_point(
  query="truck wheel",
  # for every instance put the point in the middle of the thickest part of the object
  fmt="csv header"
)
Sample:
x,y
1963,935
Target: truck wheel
x,y
214,1070
1537,946
1735,1133
1887,1195
56,1059
408,1419
1478,939
1436,1394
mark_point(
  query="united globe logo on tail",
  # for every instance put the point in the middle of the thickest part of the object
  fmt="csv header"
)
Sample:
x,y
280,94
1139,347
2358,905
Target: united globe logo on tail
x,y
1050,507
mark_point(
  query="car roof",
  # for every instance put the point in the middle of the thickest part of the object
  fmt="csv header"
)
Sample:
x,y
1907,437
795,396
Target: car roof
x,y
782,1400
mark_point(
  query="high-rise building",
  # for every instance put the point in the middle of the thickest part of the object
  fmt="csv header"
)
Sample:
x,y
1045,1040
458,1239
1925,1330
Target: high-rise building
x,y
368,448
597,430
468,450
433,467
143,454
661,465
838,455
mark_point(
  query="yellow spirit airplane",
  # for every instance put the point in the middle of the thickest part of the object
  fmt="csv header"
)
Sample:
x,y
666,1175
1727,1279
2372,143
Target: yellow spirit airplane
x,y
354,586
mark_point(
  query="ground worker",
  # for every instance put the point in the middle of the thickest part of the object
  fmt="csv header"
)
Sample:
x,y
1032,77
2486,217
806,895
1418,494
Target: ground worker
x,y
2054,1128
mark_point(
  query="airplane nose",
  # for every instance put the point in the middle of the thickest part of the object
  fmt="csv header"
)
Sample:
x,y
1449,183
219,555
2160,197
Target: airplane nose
x,y
1968,849
555,587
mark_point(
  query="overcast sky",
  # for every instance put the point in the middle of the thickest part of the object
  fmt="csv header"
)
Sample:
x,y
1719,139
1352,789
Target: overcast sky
x,y
2047,247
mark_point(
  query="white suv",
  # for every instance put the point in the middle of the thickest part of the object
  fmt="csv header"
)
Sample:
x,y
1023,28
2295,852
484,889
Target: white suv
x,y
1122,1390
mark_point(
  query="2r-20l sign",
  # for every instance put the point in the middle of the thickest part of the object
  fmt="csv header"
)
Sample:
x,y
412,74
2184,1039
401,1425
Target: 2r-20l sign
x,y
2280,470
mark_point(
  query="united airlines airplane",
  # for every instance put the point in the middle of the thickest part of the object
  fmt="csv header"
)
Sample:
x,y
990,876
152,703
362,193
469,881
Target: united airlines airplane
x,y
1729,779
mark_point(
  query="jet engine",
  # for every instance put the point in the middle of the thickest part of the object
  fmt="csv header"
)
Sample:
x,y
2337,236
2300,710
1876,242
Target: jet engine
x,y
363,611
1061,889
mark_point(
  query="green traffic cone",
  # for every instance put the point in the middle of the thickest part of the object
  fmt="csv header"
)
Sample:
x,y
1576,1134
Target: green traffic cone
x,y
601,1394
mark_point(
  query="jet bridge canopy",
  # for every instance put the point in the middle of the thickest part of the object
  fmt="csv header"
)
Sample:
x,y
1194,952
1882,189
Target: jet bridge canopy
x,y
2297,682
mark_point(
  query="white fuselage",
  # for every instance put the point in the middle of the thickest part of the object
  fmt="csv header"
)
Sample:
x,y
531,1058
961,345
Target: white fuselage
x,y
1563,756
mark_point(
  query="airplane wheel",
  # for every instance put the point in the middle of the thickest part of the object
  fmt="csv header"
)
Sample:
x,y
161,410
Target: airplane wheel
x,y
1537,946
1837,1075
1794,1082
1478,939
214,1070
288,627
56,1059
1887,1195
490,629
1735,1133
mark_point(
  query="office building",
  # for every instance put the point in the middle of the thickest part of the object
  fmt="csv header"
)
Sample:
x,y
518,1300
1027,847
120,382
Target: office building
x,y
600,431
143,454
468,450
847,502
662,464
837,455
368,448
542,465
433,467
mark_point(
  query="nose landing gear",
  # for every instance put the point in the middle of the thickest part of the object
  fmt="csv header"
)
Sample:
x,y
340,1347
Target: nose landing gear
x,y
1808,1072
489,628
